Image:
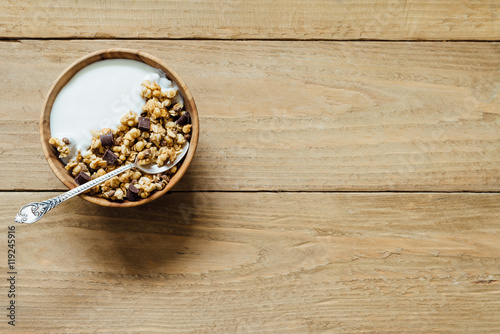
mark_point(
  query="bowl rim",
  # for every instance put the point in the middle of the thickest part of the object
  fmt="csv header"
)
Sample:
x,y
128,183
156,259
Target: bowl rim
x,y
57,166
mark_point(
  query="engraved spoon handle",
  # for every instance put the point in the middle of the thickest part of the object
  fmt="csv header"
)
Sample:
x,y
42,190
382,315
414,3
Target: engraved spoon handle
x,y
32,212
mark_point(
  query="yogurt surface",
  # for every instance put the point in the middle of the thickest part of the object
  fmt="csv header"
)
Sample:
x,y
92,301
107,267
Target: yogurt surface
x,y
98,96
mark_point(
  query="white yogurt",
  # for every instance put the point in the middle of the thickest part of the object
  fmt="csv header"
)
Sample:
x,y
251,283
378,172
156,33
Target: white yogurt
x,y
98,96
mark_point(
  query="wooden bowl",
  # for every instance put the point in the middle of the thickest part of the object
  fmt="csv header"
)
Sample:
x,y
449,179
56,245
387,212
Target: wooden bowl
x,y
51,153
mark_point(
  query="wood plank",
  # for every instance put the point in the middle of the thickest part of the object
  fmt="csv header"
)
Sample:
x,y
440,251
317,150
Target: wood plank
x,y
259,19
315,116
261,262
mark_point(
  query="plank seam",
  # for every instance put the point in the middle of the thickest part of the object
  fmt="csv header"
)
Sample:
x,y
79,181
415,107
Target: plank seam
x,y
295,191
20,39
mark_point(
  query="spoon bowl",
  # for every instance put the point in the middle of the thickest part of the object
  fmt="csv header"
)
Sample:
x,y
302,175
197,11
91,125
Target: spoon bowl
x,y
153,168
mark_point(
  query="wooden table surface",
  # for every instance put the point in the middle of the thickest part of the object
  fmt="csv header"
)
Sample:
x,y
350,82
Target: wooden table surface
x,y
347,178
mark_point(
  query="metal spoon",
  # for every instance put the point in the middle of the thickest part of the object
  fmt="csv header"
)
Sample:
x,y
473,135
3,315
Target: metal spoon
x,y
32,212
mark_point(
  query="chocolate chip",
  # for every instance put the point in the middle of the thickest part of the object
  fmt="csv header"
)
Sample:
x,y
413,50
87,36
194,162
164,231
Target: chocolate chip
x,y
165,178
187,136
144,124
184,119
65,140
109,157
82,178
107,139
132,193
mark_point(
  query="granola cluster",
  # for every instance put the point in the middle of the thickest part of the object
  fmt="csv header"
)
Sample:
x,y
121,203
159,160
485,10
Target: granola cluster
x,y
61,145
155,136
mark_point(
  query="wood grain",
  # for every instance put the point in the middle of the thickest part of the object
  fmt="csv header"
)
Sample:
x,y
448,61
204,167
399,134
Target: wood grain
x,y
295,116
293,111
260,263
259,19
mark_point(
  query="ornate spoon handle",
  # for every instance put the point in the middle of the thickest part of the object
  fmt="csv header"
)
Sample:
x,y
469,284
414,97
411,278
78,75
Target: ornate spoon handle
x,y
32,212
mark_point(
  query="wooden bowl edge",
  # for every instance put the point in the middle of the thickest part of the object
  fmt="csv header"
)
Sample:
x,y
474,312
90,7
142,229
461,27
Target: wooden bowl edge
x,y
44,126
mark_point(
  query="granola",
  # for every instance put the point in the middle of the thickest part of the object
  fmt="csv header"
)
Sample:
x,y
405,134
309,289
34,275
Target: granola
x,y
155,136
